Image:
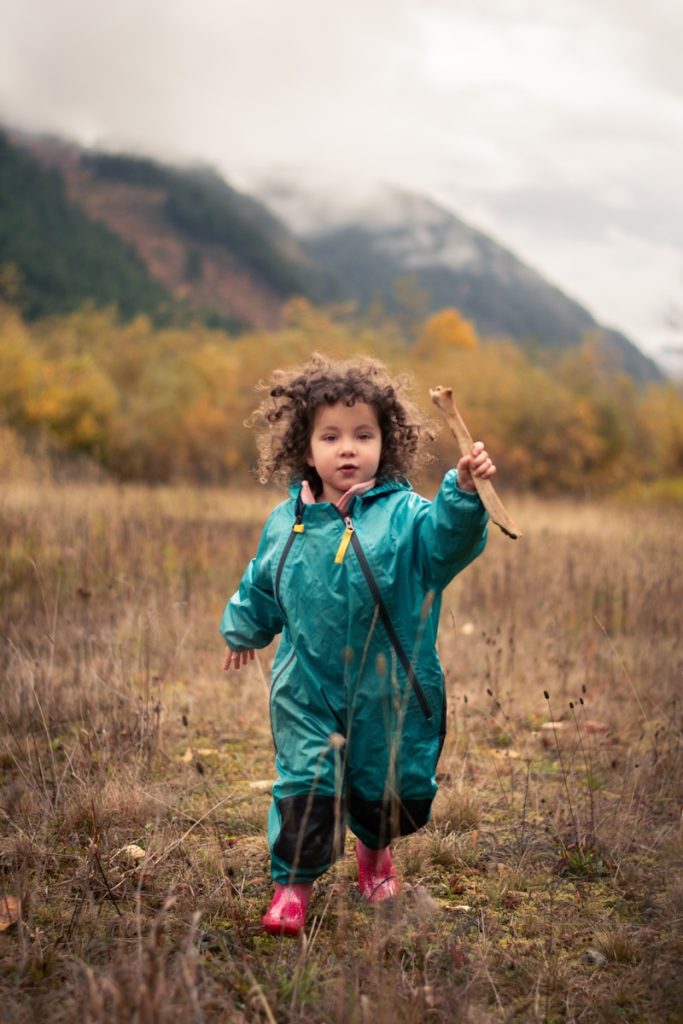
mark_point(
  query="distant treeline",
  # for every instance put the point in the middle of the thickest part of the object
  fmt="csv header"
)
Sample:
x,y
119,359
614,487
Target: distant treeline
x,y
166,403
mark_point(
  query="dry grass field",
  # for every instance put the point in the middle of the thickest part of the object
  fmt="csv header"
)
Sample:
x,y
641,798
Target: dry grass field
x,y
134,780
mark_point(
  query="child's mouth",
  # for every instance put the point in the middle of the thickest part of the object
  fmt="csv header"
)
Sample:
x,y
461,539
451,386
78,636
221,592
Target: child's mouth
x,y
347,469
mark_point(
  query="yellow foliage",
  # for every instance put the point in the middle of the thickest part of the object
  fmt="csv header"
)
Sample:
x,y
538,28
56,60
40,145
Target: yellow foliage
x,y
442,332
75,399
19,366
661,421
160,404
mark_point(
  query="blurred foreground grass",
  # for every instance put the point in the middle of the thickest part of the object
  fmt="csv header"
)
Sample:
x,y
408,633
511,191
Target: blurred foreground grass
x,y
548,887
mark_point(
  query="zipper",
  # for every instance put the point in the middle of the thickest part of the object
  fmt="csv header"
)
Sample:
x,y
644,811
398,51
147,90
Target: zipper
x,y
298,527
385,618
346,537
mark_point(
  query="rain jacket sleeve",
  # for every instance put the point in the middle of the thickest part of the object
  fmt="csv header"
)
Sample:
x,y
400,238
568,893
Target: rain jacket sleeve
x,y
252,616
451,533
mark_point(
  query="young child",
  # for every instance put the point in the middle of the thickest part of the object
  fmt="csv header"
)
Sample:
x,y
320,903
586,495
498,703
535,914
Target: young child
x,y
350,571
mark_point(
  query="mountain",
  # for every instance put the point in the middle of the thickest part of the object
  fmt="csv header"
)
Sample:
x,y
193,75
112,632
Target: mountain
x,y
60,255
206,247
171,241
380,235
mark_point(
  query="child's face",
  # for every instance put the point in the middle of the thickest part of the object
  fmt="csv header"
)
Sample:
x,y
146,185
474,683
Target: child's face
x,y
345,447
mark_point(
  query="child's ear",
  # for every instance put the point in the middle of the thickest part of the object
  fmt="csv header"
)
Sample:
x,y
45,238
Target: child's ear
x,y
310,461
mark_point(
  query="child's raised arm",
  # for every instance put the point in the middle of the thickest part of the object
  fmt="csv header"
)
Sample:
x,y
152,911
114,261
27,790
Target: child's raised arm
x,y
451,532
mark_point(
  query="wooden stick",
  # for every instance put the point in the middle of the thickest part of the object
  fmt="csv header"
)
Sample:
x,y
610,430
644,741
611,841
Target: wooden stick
x,y
443,399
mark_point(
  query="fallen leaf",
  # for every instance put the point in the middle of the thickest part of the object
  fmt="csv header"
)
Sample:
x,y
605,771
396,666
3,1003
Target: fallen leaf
x,y
596,727
191,753
10,912
262,785
513,899
133,854
459,956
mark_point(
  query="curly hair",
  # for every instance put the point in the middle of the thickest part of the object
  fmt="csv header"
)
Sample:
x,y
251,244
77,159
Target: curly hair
x,y
285,417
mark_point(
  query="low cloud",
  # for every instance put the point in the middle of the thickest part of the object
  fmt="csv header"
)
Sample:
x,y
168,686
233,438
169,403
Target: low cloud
x,y
546,122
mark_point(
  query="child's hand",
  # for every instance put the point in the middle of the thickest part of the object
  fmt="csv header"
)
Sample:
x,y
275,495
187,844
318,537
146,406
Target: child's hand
x,y
477,463
236,659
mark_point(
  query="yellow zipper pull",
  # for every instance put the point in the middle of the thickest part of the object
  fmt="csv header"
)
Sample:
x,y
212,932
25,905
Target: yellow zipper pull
x,y
298,526
344,543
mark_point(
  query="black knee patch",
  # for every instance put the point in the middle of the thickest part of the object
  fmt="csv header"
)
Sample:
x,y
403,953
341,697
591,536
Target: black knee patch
x,y
307,830
388,819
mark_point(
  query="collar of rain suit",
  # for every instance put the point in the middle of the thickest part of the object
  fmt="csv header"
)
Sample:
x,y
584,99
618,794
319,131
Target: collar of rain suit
x,y
383,487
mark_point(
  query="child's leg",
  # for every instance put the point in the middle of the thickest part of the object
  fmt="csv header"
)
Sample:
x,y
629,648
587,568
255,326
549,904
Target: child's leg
x,y
389,792
306,821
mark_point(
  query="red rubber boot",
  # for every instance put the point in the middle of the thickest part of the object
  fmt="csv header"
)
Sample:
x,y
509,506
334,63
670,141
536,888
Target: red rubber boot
x,y
286,914
377,879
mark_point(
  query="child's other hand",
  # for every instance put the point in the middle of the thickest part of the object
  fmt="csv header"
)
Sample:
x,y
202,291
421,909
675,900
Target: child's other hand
x,y
236,658
477,464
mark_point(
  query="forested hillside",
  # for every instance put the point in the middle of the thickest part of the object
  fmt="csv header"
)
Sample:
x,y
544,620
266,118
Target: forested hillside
x,y
211,249
54,257
203,207
194,245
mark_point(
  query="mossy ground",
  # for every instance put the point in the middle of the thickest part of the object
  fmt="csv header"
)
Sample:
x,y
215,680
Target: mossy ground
x,y
547,887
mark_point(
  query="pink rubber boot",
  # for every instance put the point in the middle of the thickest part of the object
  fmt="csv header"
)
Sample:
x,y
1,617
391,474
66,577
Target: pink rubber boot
x,y
377,879
286,914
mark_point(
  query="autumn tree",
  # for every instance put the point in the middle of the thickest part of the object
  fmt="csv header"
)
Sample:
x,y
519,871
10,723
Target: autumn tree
x,y
443,332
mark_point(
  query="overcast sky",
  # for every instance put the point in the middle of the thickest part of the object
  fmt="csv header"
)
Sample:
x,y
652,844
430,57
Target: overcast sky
x,y
556,127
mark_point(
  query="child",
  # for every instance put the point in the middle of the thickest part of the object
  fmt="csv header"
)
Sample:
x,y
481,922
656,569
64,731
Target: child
x,y
350,571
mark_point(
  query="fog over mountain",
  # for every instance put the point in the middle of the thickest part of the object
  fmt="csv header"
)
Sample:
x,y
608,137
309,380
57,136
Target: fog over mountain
x,y
227,256
374,233
555,128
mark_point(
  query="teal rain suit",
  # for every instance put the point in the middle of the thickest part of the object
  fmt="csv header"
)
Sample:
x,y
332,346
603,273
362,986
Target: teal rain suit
x,y
357,704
